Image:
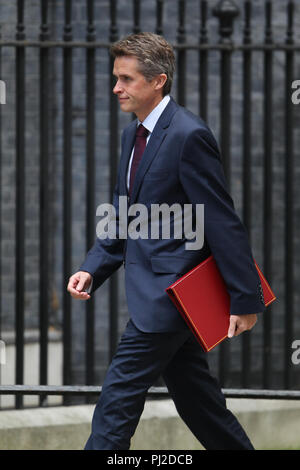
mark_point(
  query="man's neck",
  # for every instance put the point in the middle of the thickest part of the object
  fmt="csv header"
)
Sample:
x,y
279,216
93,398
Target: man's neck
x,y
142,115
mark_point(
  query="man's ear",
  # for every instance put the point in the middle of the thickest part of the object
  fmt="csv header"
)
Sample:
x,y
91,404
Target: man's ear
x,y
160,81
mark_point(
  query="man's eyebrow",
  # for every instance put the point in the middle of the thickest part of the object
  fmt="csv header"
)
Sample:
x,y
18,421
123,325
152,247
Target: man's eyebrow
x,y
122,75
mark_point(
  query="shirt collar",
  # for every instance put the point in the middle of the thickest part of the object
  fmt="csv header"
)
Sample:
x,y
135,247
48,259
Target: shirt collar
x,y
152,118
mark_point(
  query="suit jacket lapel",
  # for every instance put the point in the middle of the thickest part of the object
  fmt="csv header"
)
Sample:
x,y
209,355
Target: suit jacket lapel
x,y
153,145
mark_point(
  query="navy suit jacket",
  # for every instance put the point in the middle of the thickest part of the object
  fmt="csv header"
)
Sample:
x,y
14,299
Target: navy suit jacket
x,y
181,164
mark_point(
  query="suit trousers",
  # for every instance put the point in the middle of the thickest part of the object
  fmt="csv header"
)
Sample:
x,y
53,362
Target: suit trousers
x,y
141,358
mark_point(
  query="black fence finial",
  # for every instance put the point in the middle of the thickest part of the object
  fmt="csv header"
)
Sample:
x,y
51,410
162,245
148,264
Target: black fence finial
x,y
226,11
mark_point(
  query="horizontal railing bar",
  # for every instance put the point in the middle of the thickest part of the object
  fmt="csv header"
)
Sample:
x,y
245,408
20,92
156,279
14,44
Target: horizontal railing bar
x,y
263,393
154,392
49,389
197,46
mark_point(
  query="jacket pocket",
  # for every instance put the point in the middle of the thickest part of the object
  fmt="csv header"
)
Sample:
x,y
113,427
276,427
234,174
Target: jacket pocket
x,y
172,264
157,175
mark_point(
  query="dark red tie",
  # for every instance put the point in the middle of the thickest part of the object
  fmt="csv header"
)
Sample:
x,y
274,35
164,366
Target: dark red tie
x,y
140,144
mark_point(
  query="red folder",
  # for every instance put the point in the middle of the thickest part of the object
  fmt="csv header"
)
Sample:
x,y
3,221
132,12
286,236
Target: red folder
x,y
202,299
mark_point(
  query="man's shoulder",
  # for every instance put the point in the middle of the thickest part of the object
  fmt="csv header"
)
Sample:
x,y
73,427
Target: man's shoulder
x,y
190,120
187,123
190,129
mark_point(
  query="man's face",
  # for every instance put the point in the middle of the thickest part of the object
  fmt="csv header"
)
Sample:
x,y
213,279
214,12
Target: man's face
x,y
135,93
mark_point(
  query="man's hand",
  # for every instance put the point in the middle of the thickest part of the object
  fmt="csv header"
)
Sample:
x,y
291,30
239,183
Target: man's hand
x,y
78,283
240,323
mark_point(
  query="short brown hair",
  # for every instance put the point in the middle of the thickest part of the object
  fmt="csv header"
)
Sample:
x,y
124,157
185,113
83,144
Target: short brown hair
x,y
154,54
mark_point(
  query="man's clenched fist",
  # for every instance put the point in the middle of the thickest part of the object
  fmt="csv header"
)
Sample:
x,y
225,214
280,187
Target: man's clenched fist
x,y
78,284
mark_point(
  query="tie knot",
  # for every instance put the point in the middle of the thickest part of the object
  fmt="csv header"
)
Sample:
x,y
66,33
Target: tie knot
x,y
141,131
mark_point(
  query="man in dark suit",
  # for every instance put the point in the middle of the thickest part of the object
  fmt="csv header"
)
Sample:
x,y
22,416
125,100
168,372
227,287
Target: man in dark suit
x,y
169,156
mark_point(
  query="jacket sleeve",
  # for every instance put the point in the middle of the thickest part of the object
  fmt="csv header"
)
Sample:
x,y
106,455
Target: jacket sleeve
x,y
106,255
202,177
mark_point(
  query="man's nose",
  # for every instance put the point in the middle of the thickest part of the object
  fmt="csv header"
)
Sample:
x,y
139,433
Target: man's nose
x,y
117,88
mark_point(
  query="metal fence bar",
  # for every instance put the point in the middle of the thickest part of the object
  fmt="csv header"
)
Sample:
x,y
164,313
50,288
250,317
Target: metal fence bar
x,y
90,186
67,191
181,54
136,16
203,63
267,163
289,197
247,165
44,201
113,159
159,16
20,199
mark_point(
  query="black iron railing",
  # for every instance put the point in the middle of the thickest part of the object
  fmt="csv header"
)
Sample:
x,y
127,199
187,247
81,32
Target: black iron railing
x,y
225,13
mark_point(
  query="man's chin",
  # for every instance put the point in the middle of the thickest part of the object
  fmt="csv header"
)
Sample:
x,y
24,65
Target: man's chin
x,y
126,107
